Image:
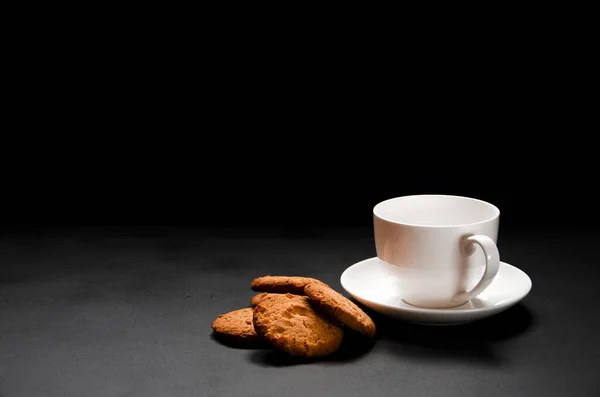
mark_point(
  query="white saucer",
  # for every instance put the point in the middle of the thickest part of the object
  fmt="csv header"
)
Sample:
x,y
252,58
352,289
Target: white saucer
x,y
372,283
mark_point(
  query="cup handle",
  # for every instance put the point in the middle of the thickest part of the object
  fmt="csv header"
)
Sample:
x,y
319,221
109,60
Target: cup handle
x,y
492,262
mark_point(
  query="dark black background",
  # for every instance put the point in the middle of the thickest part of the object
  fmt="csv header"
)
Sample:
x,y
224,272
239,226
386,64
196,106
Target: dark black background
x,y
237,182
255,130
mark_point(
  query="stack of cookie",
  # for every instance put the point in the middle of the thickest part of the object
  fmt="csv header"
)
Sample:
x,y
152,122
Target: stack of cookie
x,y
300,316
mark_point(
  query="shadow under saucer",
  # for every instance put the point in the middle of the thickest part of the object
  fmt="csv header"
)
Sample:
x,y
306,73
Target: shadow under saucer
x,y
472,340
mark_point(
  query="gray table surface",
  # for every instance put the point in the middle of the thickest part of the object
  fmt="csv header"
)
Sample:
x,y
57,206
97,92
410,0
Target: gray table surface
x,y
128,312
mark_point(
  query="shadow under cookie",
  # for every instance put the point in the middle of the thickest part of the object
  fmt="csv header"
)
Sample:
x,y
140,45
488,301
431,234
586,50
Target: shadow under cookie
x,y
353,347
238,343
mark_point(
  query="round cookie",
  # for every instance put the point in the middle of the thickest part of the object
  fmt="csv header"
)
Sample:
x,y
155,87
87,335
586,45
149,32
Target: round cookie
x,y
292,325
282,284
236,326
256,299
340,308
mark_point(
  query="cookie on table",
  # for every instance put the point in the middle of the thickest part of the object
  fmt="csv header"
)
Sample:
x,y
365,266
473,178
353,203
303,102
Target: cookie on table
x,y
236,327
340,308
292,325
282,284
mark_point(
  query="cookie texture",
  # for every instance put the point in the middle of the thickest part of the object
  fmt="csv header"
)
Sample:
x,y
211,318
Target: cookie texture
x,y
256,299
282,284
236,326
340,308
292,325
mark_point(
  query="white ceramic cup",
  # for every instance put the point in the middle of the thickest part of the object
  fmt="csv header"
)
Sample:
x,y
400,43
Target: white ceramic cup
x,y
432,243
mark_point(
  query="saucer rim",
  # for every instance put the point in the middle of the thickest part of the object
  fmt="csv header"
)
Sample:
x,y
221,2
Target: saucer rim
x,y
441,311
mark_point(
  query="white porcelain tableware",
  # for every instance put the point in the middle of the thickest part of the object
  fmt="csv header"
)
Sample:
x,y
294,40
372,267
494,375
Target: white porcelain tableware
x,y
374,284
432,241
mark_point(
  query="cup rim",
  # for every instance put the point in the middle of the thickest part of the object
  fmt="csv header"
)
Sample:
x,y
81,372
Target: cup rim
x,y
381,203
